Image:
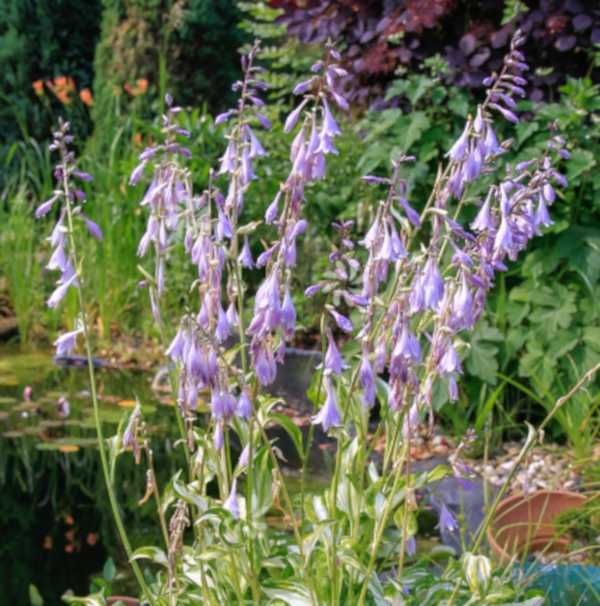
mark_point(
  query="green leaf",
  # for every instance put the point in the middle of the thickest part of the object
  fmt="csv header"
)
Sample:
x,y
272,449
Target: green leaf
x,y
154,554
292,594
558,315
410,128
291,429
482,359
537,365
34,596
581,161
591,336
262,494
109,570
188,492
580,246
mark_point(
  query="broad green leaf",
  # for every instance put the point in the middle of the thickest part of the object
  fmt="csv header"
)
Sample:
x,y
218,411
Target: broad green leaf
x,y
291,429
262,496
109,570
482,357
154,554
34,596
410,128
581,161
292,594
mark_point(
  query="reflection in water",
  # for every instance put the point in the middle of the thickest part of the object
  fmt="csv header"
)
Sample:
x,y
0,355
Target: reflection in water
x,y
55,521
55,526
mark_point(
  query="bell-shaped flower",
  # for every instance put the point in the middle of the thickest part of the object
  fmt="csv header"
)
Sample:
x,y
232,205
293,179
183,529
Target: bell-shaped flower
x,y
329,415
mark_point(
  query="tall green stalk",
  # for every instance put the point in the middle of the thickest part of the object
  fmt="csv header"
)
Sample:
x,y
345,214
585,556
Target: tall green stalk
x,y
96,408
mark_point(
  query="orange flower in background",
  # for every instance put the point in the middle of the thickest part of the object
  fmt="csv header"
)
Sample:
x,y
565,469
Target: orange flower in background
x,y
137,139
62,87
142,84
48,543
85,94
38,87
92,538
140,88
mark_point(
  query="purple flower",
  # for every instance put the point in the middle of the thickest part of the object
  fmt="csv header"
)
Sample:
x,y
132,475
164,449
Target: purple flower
x,y
450,362
333,359
64,407
60,292
329,415
407,346
330,126
433,285
462,305
93,228
292,119
410,547
542,216
490,143
244,456
59,260
79,174
510,116
65,344
265,366
367,380
245,257
256,149
222,329
176,349
224,117
288,314
244,406
44,209
232,316
503,241
223,404
271,212
231,503
447,521
484,221
137,173
312,290
342,321
218,437
458,150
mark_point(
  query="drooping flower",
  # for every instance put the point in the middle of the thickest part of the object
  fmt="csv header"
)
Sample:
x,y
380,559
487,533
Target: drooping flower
x,y
65,344
244,406
433,285
447,521
329,415
231,503
333,358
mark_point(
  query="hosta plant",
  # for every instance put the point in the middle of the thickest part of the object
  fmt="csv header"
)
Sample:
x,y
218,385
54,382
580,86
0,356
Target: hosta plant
x,y
396,302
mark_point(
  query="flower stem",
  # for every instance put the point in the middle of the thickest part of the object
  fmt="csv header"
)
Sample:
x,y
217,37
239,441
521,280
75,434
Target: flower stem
x,y
96,408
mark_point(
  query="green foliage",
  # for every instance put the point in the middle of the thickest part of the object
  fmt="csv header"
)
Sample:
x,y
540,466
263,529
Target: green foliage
x,y
543,317
41,40
186,48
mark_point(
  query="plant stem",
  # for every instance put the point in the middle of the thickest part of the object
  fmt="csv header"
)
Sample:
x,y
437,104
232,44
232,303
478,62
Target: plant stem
x,y
380,529
96,408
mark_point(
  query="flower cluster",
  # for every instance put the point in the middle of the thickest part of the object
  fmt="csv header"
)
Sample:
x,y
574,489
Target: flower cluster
x,y
440,289
167,197
70,198
211,240
274,318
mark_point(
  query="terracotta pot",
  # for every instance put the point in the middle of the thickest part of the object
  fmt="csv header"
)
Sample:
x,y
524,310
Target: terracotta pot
x,y
124,599
525,523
